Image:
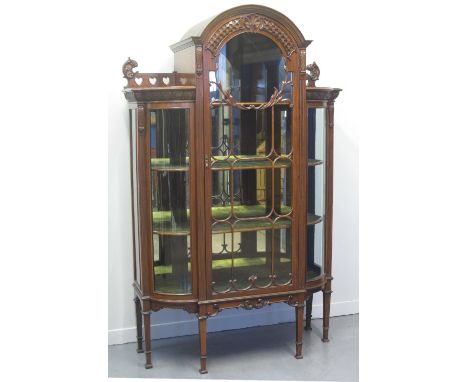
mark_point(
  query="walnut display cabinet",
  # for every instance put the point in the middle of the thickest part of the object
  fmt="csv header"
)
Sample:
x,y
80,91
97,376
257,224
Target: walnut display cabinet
x,y
232,174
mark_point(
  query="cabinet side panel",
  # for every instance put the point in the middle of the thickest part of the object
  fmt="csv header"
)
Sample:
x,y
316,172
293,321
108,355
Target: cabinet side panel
x,y
184,60
315,191
135,198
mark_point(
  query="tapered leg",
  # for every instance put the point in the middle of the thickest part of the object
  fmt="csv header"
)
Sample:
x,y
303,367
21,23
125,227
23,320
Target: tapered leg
x,y
202,335
326,313
139,325
147,323
299,320
309,312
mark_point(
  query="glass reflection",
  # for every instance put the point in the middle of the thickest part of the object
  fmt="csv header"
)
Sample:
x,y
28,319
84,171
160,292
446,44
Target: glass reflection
x,y
314,250
169,137
250,65
283,251
316,133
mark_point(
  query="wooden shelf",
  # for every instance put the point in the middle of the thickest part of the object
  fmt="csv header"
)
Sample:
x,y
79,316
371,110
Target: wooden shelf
x,y
313,219
163,164
162,221
245,162
223,264
314,162
240,162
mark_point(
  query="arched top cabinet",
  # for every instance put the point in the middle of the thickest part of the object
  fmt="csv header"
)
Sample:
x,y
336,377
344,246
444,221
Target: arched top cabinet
x,y
232,168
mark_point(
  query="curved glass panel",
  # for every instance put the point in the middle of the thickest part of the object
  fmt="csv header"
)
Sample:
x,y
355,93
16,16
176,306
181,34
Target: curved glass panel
x,y
314,250
135,191
315,191
169,137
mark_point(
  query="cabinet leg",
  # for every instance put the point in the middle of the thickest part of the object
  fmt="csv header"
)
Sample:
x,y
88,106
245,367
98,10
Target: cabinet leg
x,y
326,313
202,335
309,312
299,321
139,324
147,323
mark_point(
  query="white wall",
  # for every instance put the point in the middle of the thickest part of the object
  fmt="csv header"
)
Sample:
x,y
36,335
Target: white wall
x,y
144,33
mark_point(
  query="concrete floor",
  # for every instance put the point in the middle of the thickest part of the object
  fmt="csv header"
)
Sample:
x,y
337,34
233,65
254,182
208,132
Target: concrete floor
x,y
265,352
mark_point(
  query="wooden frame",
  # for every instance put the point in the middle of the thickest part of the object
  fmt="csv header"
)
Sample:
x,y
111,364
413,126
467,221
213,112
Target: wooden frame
x,y
149,91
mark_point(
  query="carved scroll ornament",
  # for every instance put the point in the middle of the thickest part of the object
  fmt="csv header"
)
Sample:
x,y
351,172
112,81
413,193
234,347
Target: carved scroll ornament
x,y
313,75
127,68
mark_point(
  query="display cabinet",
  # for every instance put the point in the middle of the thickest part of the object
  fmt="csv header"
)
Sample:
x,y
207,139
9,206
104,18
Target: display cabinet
x,y
232,174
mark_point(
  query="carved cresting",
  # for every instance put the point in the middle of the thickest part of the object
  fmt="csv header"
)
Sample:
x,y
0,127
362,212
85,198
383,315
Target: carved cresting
x,y
127,68
313,75
250,23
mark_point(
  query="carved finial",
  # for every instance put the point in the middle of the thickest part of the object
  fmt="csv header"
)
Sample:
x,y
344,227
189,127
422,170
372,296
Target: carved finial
x,y
127,68
314,73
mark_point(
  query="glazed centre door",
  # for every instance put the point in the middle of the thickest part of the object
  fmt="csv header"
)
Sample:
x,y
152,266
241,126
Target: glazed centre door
x,y
249,164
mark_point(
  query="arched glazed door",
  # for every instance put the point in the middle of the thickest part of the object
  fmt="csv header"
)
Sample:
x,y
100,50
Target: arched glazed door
x,y
250,164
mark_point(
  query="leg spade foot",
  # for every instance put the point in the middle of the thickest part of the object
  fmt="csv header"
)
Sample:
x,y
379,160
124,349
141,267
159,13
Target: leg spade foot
x,y
139,325
299,319
147,325
309,313
326,313
202,335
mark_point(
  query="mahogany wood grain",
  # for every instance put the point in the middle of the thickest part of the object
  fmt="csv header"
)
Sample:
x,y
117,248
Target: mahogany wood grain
x,y
148,91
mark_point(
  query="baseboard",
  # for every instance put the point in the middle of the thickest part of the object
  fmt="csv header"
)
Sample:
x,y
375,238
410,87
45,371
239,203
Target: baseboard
x,y
230,319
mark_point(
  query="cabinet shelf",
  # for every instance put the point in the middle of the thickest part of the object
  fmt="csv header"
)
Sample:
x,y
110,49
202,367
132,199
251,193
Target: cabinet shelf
x,y
162,221
223,264
163,164
246,162
242,162
314,162
313,219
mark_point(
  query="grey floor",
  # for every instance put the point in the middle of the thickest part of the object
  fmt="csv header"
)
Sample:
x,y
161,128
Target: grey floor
x,y
265,352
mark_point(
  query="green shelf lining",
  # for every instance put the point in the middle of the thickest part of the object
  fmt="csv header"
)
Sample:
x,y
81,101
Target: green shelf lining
x,y
161,220
222,264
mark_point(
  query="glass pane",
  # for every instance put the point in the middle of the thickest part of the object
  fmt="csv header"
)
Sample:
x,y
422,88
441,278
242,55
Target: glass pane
x,y
316,133
220,136
283,118
221,195
136,204
250,194
283,190
253,188
315,194
169,137
250,65
315,191
172,267
251,132
170,199
314,250
252,259
283,251
221,247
